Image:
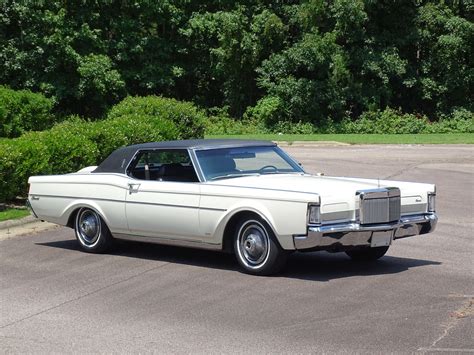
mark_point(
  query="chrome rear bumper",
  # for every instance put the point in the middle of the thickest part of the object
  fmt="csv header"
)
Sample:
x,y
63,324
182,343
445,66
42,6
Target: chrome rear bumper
x,y
30,208
354,234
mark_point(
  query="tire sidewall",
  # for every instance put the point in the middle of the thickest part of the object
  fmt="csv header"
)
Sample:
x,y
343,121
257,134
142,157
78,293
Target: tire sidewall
x,y
275,257
100,244
368,254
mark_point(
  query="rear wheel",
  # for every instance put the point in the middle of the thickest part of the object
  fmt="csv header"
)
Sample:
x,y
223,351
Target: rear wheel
x,y
91,231
256,248
367,254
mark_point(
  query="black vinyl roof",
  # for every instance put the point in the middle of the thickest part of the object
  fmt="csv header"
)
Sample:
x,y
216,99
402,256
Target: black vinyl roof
x,y
118,161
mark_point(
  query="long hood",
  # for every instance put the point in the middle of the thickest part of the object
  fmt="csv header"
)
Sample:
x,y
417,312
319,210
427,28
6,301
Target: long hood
x,y
325,186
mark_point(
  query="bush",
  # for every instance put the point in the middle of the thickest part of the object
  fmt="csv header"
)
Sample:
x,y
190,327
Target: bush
x,y
188,119
388,121
111,133
76,143
22,111
460,121
286,127
220,123
267,110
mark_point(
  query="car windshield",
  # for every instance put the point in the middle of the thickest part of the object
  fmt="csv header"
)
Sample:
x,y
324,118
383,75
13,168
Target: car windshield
x,y
243,161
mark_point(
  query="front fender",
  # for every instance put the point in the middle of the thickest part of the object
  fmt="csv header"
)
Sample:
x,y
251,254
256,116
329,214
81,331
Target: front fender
x,y
282,229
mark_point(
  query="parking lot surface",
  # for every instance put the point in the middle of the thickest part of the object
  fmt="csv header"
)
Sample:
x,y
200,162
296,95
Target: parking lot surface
x,y
151,298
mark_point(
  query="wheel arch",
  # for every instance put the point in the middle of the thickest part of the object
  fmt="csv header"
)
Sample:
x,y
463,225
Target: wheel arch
x,y
72,210
232,221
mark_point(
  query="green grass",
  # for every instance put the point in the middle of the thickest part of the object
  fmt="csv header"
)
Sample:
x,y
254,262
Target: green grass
x,y
436,138
13,213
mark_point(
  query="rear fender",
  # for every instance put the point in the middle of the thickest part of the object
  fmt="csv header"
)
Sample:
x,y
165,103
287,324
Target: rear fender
x,y
78,204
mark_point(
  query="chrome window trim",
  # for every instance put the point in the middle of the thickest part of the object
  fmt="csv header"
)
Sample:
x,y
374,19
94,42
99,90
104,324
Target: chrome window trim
x,y
127,169
281,152
196,164
285,154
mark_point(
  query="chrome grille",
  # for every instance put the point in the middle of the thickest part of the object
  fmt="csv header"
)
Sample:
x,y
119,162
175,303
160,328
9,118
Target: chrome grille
x,y
394,208
379,205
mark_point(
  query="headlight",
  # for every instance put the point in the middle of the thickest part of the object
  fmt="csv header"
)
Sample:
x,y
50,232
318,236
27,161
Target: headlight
x,y
314,215
431,202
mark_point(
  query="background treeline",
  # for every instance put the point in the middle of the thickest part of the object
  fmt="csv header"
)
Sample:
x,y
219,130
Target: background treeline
x,y
315,63
76,143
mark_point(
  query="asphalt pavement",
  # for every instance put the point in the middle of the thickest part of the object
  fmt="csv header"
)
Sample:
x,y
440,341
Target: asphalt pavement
x,y
150,298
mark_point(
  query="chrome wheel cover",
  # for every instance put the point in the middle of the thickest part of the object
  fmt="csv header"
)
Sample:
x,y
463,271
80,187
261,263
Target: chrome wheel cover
x,y
88,227
253,244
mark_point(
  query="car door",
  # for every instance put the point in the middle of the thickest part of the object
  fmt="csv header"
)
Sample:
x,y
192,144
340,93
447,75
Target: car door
x,y
163,197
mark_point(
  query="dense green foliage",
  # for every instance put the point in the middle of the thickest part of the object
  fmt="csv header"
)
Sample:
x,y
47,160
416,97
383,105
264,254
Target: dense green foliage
x,y
309,61
302,67
187,118
388,121
327,139
22,111
75,143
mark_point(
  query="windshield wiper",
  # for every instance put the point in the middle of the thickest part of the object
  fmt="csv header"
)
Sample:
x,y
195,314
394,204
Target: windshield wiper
x,y
268,172
230,176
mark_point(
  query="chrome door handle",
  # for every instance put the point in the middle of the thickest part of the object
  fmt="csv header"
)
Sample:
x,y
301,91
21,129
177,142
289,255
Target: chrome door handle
x,y
133,188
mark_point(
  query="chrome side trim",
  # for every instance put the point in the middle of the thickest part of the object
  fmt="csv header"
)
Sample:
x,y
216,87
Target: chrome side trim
x,y
355,234
83,174
158,204
134,202
83,183
168,241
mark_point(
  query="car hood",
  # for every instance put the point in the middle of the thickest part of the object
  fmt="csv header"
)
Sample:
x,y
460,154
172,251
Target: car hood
x,y
322,185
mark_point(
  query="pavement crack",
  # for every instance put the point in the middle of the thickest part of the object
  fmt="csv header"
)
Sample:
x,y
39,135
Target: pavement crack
x,y
401,171
427,162
82,296
466,310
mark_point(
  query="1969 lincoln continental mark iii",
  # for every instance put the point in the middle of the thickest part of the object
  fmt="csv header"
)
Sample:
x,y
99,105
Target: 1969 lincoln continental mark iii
x,y
245,197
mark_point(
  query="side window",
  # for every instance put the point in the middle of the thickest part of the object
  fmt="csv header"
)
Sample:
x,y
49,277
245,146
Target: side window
x,y
163,165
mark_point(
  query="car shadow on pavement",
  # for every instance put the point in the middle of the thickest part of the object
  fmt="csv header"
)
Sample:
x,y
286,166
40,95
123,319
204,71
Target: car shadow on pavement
x,y
315,266
323,266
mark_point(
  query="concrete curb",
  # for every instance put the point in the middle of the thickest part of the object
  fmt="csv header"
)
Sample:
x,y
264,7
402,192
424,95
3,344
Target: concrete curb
x,y
17,222
26,229
310,143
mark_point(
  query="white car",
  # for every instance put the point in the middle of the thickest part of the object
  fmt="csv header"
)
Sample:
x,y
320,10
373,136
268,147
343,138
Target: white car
x,y
244,197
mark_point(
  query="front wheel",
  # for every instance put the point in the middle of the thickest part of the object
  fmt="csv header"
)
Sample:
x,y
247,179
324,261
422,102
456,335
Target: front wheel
x,y
91,231
256,248
367,254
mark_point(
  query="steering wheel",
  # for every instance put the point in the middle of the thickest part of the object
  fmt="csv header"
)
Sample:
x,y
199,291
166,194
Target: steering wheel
x,y
268,167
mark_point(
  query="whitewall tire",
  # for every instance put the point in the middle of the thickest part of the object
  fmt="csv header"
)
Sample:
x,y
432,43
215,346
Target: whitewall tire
x,y
256,248
91,231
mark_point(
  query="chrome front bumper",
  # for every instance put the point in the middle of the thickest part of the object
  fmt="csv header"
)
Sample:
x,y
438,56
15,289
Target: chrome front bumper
x,y
344,235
